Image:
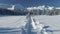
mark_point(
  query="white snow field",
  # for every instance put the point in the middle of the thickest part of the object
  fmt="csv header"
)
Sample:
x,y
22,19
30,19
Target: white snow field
x,y
19,21
12,21
52,21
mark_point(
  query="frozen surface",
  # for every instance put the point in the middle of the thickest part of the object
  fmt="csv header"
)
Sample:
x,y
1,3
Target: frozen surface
x,y
12,21
19,21
52,21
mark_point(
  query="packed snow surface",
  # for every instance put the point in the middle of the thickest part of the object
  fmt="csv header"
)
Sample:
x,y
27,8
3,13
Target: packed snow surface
x,y
19,21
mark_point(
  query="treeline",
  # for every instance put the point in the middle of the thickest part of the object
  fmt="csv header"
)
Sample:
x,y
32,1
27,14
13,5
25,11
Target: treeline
x,y
45,12
11,12
33,12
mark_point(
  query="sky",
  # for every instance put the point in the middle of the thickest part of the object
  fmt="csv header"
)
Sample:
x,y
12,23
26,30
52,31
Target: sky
x,y
31,3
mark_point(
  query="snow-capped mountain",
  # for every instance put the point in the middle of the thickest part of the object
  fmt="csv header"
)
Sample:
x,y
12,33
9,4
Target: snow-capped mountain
x,y
7,6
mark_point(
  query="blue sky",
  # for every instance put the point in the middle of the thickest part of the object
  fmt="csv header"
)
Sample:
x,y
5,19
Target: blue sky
x,y
28,3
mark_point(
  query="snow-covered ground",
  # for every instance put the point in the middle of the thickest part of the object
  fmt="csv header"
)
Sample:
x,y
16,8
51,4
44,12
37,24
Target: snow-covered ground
x,y
52,21
18,21
12,21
